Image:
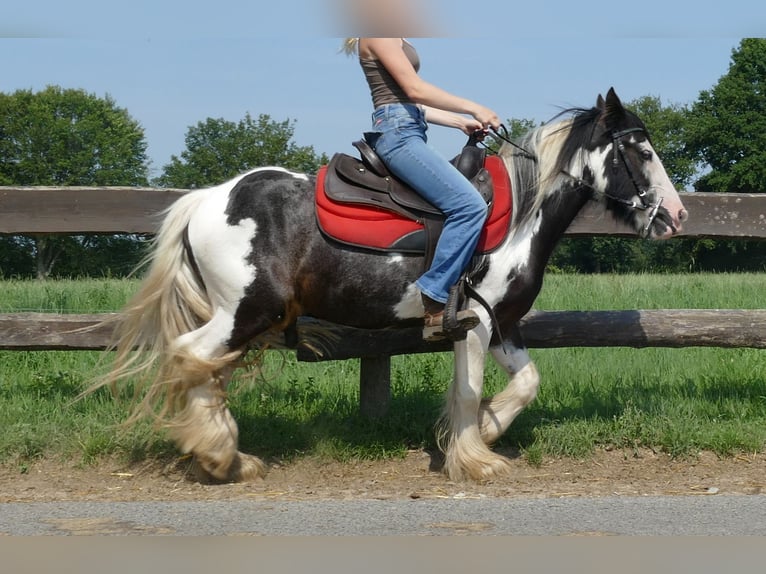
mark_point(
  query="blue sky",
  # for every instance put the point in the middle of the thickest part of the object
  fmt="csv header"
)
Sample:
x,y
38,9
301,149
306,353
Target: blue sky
x,y
173,63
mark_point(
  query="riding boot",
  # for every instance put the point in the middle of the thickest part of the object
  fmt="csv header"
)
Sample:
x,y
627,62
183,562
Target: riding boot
x,y
446,320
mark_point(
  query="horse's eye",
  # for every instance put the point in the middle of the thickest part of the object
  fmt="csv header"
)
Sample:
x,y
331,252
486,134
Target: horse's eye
x,y
646,155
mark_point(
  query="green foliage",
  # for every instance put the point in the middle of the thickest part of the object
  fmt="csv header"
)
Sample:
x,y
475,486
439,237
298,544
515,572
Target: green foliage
x,y
69,137
218,149
71,256
628,255
518,127
727,128
66,137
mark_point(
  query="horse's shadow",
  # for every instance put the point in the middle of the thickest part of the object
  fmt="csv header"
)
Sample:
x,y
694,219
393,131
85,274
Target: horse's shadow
x,y
278,434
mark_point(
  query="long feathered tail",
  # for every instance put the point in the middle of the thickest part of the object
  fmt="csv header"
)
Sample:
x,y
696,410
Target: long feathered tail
x,y
170,302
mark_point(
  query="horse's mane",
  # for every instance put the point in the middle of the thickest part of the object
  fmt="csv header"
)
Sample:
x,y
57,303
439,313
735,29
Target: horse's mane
x,y
552,145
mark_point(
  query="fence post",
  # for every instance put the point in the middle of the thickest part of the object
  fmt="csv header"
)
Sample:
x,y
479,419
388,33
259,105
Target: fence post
x,y
375,386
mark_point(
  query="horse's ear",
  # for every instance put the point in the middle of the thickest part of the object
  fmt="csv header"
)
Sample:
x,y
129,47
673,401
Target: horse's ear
x,y
613,106
600,102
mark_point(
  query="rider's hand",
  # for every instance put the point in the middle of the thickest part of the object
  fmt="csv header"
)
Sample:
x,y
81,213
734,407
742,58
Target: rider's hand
x,y
486,117
470,126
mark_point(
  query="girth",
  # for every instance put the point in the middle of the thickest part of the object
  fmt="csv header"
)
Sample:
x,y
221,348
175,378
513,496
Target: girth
x,y
367,181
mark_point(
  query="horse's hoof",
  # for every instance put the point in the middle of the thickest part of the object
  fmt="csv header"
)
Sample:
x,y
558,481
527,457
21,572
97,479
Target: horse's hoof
x,y
244,468
247,468
489,468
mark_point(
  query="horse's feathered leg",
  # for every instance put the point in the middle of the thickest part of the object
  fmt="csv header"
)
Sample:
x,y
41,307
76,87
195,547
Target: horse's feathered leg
x,y
466,453
202,424
498,412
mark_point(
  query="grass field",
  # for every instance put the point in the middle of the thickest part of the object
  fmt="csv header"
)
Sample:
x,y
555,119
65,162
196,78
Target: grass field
x,y
679,401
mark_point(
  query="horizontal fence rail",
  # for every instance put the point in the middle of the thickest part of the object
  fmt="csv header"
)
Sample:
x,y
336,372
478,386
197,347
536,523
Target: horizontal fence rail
x,y
540,329
74,210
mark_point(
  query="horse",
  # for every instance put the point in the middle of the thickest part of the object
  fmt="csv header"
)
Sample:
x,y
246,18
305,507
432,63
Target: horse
x,y
234,266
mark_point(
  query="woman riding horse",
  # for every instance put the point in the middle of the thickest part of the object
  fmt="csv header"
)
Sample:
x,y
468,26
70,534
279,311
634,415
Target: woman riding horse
x,y
403,103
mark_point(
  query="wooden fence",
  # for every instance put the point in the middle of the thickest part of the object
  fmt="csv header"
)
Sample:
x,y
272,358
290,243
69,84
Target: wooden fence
x,y
77,210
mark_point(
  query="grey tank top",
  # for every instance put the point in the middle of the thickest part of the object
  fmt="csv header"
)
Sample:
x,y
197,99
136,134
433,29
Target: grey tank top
x,y
383,86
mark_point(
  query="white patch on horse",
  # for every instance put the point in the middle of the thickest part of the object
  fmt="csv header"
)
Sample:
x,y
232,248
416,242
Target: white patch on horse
x,y
597,158
296,175
655,172
221,249
301,176
411,304
508,260
395,259
210,339
513,361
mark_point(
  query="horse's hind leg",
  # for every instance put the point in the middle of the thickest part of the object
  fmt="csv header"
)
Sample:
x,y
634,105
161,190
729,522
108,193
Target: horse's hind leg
x,y
203,424
498,412
466,453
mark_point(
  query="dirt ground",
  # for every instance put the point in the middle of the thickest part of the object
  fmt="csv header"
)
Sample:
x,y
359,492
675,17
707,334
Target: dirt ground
x,y
613,472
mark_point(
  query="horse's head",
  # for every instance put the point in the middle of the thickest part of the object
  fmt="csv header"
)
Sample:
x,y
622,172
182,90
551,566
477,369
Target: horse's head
x,y
621,166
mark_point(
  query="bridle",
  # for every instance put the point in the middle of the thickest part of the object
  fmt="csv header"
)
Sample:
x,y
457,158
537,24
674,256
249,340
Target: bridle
x,y
643,204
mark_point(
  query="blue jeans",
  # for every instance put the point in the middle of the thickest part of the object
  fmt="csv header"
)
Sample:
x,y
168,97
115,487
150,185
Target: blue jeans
x,y
403,147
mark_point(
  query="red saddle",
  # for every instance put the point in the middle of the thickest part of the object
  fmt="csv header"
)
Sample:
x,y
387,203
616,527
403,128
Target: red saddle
x,y
387,229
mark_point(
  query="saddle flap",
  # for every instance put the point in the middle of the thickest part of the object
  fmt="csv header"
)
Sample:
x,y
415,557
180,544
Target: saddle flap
x,y
407,197
349,181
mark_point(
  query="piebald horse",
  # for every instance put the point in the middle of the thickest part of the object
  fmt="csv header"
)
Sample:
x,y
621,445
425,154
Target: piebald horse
x,y
234,266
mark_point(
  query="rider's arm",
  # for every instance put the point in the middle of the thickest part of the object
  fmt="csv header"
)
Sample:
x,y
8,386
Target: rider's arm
x,y
451,120
389,51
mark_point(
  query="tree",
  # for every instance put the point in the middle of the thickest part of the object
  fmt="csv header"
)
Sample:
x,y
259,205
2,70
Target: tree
x,y
727,128
667,129
65,137
519,127
69,137
218,149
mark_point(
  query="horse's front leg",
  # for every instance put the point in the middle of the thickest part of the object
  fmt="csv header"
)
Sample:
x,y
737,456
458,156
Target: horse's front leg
x,y
498,412
466,453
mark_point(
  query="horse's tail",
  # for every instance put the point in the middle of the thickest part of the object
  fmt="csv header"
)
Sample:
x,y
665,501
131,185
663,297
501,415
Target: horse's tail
x,y
170,302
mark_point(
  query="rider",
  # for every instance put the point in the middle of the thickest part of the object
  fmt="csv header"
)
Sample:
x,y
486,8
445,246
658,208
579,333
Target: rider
x,y
403,103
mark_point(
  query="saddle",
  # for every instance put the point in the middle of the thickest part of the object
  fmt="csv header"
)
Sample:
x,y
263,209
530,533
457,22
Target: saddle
x,y
366,183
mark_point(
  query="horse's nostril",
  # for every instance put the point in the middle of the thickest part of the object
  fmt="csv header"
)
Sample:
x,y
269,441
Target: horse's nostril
x,y
683,215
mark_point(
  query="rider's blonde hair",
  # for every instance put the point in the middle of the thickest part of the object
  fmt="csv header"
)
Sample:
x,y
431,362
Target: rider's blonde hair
x,y
350,46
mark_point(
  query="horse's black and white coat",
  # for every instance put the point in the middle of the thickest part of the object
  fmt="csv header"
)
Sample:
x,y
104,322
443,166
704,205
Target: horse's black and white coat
x,y
261,262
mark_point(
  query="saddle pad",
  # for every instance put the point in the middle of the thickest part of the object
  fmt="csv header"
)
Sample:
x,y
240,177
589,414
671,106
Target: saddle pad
x,y
376,228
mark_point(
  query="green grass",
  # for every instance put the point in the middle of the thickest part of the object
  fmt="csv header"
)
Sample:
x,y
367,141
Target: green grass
x,y
678,401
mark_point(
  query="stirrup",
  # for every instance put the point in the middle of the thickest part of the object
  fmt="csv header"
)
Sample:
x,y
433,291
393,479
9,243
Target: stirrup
x,y
466,321
451,323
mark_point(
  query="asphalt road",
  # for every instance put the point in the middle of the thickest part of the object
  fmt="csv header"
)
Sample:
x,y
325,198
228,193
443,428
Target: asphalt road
x,y
666,515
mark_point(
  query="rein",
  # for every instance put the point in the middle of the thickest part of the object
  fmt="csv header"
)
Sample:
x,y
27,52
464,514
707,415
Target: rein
x,y
504,137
